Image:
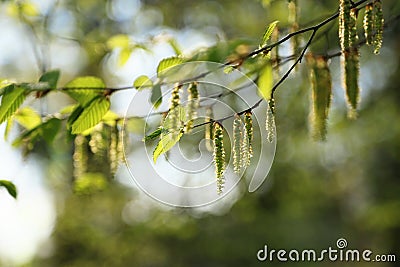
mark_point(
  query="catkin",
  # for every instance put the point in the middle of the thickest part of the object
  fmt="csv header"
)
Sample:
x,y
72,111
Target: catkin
x,y
321,94
351,77
350,59
208,129
174,113
192,106
344,24
96,142
237,142
368,24
293,20
378,26
113,150
245,162
80,156
219,155
248,123
270,125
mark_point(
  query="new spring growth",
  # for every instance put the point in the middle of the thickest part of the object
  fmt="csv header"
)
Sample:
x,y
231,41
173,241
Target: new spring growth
x,y
378,26
209,129
237,143
174,111
344,24
219,155
368,23
192,106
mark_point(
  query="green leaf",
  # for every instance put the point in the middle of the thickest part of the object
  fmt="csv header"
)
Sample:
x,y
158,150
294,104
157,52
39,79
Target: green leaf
x,y
156,97
165,144
110,118
268,32
118,41
9,125
180,112
172,42
12,99
27,117
155,134
3,86
265,82
167,63
76,89
51,78
74,115
68,109
142,82
91,115
123,56
49,129
11,188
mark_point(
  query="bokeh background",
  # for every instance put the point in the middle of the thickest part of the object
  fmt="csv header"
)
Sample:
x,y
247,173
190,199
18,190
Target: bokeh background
x,y
347,187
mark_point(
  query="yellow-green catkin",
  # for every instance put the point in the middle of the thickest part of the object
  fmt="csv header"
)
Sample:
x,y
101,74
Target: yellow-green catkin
x,y
96,143
368,24
237,143
353,37
344,23
174,113
350,55
113,150
293,21
270,125
248,124
219,155
192,106
120,144
351,77
80,156
321,94
208,129
246,160
378,26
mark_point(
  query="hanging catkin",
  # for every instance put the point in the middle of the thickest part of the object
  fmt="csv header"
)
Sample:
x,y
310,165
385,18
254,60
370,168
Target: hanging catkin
x,y
237,144
192,106
368,24
96,143
350,54
113,150
174,112
219,155
378,26
270,125
208,129
80,156
344,24
321,94
248,124
293,21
